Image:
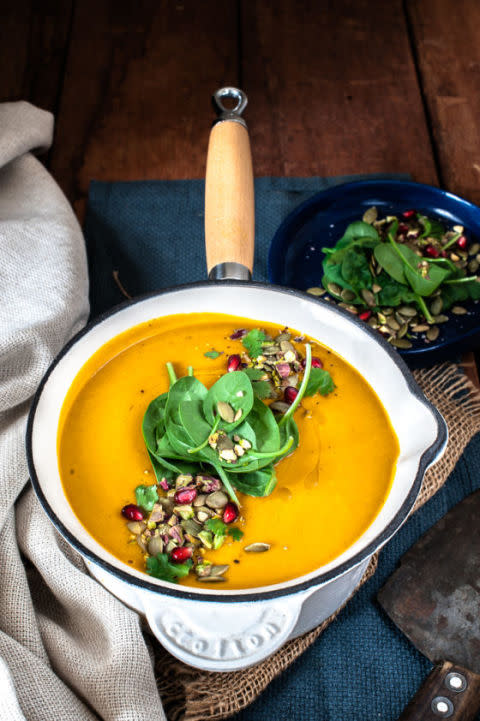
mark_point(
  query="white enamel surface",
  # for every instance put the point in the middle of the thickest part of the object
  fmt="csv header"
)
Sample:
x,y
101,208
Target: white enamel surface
x,y
414,423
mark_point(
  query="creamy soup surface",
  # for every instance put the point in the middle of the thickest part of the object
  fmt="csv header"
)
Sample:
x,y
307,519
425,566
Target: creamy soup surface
x,y
328,492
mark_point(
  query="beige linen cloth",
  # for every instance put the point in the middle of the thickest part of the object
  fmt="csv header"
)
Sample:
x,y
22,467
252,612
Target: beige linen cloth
x,y
69,651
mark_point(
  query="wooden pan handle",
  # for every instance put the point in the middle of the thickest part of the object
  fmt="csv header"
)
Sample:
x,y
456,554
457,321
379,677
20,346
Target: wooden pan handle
x,y
229,196
450,691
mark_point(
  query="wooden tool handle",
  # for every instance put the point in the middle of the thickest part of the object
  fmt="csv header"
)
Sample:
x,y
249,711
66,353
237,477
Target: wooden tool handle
x,y
450,691
229,198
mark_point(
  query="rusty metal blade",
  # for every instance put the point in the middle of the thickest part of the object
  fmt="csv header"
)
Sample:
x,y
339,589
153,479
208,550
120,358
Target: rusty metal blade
x,y
434,597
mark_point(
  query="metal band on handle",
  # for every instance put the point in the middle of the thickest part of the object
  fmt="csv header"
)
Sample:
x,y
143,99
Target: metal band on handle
x,y
230,271
233,113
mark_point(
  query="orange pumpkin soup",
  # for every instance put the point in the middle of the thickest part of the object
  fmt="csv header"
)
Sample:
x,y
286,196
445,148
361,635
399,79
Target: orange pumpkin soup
x,y
328,491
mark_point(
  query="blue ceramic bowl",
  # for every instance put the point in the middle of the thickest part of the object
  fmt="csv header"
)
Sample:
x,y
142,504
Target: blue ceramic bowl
x,y
295,257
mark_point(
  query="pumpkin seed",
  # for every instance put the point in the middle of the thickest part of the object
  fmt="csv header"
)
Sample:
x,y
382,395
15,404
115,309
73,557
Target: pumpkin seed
x,y
225,411
279,406
200,500
454,257
286,346
392,323
347,295
402,331
224,443
373,323
370,215
388,311
287,336
473,250
440,318
473,266
238,415
155,545
210,579
257,548
218,499
459,310
368,297
141,542
407,310
433,332
402,343
420,328
376,288
458,228
334,289
271,350
228,455
192,527
436,306
316,291
218,570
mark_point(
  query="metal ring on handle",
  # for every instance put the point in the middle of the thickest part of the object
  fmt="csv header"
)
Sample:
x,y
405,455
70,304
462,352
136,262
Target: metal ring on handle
x,y
230,113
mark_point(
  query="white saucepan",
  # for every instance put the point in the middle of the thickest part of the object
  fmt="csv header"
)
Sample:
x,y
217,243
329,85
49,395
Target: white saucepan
x,y
227,630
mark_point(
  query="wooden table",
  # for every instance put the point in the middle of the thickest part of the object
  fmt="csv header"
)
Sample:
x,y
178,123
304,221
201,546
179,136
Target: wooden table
x,y
335,86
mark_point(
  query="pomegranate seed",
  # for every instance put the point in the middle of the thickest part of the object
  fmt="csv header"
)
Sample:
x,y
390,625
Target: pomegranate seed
x,y
230,513
290,393
181,554
432,251
239,333
409,214
462,242
365,315
185,496
444,253
233,363
316,362
402,228
164,484
132,512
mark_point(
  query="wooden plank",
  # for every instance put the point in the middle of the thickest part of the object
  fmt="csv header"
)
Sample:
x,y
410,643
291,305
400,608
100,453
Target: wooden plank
x,y
136,100
33,44
333,89
445,34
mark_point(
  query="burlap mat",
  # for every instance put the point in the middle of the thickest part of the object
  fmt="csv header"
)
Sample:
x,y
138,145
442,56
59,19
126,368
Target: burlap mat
x,y
192,695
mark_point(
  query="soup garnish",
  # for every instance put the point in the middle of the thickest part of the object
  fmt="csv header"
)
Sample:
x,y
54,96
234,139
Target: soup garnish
x,y
228,430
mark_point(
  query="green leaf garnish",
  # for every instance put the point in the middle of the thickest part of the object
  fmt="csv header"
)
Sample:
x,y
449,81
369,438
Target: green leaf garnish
x,y
161,567
262,389
216,526
320,381
146,497
213,354
253,341
235,533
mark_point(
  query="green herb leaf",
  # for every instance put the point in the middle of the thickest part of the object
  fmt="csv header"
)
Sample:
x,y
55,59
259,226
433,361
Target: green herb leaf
x,y
252,342
235,533
146,497
160,566
255,374
320,381
213,354
216,526
262,389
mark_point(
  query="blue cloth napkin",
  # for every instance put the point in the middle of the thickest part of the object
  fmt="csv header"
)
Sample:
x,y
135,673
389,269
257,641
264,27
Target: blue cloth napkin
x,y
361,668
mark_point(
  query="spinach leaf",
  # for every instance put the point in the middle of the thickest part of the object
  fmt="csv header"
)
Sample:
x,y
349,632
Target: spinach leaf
x,y
390,262
392,293
257,483
176,466
336,255
146,497
359,229
233,388
420,284
320,381
154,421
333,274
356,271
253,341
160,566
